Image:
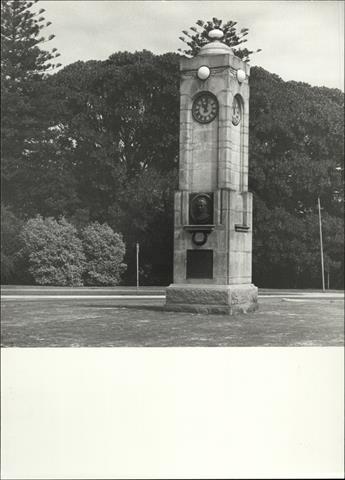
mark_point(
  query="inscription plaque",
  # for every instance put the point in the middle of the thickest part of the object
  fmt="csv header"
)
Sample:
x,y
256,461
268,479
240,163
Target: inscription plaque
x,y
199,263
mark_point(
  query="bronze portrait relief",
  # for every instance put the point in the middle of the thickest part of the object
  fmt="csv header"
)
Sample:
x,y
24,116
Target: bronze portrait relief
x,y
201,209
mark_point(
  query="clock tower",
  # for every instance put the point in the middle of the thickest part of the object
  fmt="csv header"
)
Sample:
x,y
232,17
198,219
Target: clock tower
x,y
213,208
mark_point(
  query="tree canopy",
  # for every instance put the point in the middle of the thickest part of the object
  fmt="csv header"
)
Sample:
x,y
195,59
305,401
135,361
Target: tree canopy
x,y
22,58
26,104
99,143
296,155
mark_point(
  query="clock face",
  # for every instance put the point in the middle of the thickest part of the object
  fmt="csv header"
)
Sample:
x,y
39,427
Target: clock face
x,y
205,108
236,111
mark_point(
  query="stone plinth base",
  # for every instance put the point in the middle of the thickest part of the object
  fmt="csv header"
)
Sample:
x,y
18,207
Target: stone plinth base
x,y
226,299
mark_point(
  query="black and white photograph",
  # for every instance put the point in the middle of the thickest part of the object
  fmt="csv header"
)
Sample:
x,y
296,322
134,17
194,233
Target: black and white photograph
x,y
172,239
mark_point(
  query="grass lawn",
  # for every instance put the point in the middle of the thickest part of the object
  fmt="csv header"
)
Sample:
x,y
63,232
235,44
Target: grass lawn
x,y
144,323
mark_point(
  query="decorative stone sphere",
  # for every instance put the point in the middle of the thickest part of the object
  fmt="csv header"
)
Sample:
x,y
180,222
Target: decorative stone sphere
x,y
215,34
203,72
241,76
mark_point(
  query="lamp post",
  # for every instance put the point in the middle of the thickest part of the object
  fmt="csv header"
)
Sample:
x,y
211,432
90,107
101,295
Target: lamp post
x,y
137,256
321,245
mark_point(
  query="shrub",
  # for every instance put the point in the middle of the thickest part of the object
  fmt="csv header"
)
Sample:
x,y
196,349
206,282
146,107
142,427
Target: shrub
x,y
54,251
104,250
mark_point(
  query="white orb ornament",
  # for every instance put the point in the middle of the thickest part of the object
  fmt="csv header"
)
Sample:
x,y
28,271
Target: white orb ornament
x,y
216,34
203,72
241,76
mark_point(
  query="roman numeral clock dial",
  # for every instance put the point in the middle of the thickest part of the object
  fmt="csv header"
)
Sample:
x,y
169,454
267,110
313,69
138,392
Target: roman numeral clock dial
x,y
205,107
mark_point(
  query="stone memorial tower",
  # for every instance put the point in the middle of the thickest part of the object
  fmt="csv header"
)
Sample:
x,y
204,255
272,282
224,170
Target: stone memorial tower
x,y
213,208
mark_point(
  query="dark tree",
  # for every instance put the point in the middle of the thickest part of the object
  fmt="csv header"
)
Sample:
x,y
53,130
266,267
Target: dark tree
x,y
21,56
117,126
26,101
110,155
11,267
296,155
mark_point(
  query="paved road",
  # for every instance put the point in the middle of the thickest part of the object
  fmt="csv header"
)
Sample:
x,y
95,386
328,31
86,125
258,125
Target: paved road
x,y
32,292
123,317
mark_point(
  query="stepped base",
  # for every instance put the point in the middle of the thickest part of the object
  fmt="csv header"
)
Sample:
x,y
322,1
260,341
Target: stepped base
x,y
223,299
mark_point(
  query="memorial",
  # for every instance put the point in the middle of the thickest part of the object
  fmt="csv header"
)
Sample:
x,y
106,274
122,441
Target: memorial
x,y
213,208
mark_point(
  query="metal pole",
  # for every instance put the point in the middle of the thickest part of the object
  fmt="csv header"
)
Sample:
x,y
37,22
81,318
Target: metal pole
x,y
137,251
321,245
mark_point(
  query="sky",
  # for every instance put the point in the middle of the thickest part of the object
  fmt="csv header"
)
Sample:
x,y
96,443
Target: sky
x,y
300,40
